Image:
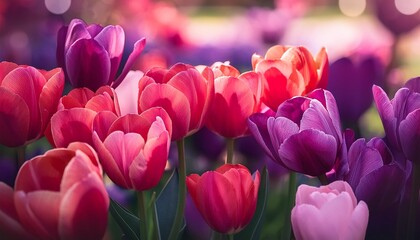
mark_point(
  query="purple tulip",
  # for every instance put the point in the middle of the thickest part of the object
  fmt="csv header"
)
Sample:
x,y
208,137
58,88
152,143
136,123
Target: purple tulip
x,y
305,134
377,180
91,54
398,23
351,83
401,118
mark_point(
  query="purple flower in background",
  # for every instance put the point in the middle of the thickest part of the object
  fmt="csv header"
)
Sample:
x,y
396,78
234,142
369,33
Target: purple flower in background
x,y
351,83
395,21
91,54
377,180
401,118
305,134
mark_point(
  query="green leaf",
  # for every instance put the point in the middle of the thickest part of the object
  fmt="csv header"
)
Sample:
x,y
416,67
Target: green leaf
x,y
166,204
253,230
128,222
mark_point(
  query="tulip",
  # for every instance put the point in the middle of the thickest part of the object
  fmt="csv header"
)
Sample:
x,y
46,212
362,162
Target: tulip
x,y
57,196
135,150
28,99
226,197
377,180
237,96
401,118
329,212
290,71
351,81
183,91
91,54
304,135
74,120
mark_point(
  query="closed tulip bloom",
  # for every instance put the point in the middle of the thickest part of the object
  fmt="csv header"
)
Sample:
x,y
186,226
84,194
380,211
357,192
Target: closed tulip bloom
x,y
184,91
135,151
329,212
401,118
378,180
304,135
57,195
237,96
226,197
91,54
28,99
290,71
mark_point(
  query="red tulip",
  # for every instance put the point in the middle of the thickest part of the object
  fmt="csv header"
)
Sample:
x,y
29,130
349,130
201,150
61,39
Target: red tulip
x,y
76,113
237,96
226,198
28,99
135,150
57,196
290,71
183,91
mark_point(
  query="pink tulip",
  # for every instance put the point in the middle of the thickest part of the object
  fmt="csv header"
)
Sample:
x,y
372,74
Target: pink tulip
x,y
76,113
135,149
329,212
183,91
58,195
28,99
226,198
290,71
237,96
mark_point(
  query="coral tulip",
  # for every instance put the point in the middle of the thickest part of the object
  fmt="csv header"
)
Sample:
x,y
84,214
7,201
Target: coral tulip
x,y
290,71
135,150
329,212
226,197
237,96
28,99
183,91
57,195
91,54
304,135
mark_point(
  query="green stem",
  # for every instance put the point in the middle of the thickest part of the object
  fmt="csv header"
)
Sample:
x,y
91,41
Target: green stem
x,y
217,236
230,142
323,179
414,199
141,200
155,234
230,236
21,151
182,191
287,230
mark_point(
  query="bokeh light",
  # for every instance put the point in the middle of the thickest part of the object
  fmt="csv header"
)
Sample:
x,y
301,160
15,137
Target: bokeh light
x,y
352,8
57,6
407,7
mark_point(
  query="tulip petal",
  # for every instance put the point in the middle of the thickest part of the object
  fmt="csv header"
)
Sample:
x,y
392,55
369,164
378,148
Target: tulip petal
x,y
5,68
102,123
14,120
88,64
138,48
358,222
258,127
128,92
310,152
86,202
409,132
308,223
72,125
280,129
174,102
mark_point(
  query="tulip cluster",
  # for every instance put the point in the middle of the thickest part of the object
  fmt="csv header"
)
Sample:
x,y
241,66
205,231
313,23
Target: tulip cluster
x,y
125,125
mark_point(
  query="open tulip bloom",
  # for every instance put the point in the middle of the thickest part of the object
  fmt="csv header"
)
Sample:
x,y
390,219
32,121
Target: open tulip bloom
x,y
124,125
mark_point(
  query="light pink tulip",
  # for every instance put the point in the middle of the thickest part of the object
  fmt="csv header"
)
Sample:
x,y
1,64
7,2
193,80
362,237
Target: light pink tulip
x,y
58,195
329,212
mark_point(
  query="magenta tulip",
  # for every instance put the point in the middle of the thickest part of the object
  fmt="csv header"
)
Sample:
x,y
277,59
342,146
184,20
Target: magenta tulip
x,y
91,54
226,197
329,212
28,99
237,96
135,150
184,91
57,196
